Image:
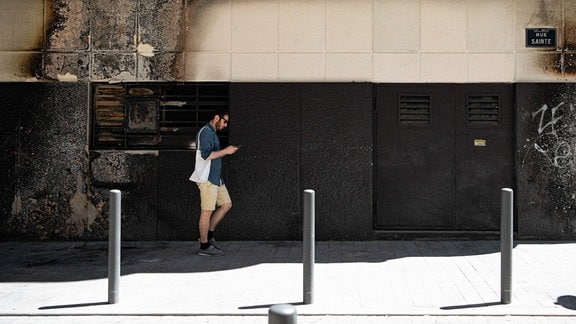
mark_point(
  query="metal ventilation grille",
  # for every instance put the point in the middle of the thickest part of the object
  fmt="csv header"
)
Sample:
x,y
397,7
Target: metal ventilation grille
x,y
414,110
483,111
109,115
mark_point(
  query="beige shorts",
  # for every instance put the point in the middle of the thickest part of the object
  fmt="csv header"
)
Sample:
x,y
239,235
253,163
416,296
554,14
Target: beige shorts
x,y
212,196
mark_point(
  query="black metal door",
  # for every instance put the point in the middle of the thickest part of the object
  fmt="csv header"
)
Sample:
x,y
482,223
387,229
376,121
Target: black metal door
x,y
442,153
415,142
484,153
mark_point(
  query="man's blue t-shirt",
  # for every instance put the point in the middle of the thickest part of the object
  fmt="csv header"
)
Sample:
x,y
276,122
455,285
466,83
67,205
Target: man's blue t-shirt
x,y
209,143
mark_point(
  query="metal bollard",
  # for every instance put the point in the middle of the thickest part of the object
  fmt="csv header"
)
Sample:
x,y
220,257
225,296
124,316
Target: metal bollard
x,y
308,253
282,314
506,240
114,245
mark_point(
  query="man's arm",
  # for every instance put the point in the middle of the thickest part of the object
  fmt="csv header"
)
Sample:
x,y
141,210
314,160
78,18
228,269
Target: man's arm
x,y
230,149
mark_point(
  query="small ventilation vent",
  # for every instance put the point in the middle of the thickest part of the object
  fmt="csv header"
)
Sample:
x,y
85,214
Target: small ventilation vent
x,y
483,111
414,110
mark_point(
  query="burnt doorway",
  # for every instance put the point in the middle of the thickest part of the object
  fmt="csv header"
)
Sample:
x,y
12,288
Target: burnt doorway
x,y
442,153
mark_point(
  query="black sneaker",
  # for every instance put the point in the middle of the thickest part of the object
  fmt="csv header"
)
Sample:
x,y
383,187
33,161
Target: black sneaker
x,y
212,242
211,251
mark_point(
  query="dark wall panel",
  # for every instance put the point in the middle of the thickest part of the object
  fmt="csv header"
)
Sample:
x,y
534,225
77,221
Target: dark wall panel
x,y
337,158
546,160
263,176
414,163
178,197
9,129
481,171
296,137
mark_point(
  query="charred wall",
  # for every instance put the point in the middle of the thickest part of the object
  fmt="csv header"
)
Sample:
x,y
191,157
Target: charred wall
x,y
53,187
45,162
88,40
546,160
560,62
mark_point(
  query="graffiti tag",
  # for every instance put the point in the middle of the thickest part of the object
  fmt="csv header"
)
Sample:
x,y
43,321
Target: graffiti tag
x,y
551,142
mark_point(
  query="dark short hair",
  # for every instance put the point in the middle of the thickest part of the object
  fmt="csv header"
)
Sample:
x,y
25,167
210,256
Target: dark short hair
x,y
221,112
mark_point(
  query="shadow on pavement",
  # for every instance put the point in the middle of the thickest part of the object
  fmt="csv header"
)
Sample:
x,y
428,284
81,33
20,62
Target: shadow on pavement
x,y
270,305
471,306
74,305
73,261
568,302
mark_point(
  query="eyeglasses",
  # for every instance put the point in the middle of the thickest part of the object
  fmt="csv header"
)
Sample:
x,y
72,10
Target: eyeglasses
x,y
224,119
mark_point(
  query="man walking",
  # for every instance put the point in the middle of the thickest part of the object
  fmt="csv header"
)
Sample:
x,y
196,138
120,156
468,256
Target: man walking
x,y
215,201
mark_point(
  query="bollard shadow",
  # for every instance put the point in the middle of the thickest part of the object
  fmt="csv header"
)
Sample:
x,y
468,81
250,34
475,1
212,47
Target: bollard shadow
x,y
75,261
471,306
269,305
567,301
73,305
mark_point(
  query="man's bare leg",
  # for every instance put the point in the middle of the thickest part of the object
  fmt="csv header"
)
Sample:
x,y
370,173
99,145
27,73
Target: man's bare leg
x,y
217,216
204,225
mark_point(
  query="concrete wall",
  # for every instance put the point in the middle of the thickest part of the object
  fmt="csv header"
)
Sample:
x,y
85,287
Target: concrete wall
x,y
285,40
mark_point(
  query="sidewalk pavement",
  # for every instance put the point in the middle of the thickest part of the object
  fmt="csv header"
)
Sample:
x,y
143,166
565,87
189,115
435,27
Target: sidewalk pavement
x,y
354,282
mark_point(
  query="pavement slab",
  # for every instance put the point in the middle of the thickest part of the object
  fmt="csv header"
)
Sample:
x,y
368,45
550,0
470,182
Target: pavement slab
x,y
354,282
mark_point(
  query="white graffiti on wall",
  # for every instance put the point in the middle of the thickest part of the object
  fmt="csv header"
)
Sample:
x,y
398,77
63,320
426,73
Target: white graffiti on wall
x,y
550,141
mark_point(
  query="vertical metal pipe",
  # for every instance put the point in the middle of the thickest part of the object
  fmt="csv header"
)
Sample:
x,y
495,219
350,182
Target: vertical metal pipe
x,y
506,242
308,253
282,314
114,244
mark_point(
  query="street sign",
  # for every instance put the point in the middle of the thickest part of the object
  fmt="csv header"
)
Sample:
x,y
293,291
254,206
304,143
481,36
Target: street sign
x,y
541,37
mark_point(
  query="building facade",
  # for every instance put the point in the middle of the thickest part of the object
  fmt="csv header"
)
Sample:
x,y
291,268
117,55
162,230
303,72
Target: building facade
x,y
406,117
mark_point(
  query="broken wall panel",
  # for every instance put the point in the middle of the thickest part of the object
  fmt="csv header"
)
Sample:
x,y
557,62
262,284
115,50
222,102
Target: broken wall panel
x,y
135,175
172,5
106,66
67,66
102,40
161,29
113,30
161,67
68,25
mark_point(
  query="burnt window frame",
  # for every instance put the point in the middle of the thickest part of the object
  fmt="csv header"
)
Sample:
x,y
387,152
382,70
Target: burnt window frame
x,y
169,115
